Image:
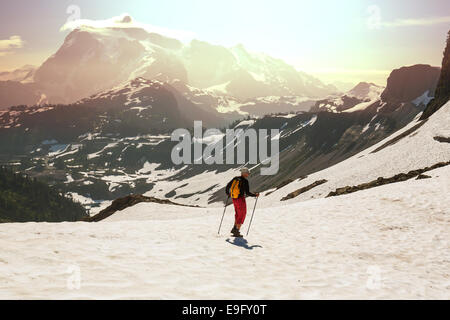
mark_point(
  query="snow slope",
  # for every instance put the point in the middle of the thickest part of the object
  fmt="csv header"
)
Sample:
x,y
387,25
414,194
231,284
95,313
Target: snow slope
x,y
415,151
371,244
388,242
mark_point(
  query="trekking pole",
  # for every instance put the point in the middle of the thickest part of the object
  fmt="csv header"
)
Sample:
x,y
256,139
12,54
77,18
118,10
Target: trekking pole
x,y
226,204
252,216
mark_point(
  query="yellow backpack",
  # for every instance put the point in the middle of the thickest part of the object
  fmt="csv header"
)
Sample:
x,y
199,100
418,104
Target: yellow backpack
x,y
235,189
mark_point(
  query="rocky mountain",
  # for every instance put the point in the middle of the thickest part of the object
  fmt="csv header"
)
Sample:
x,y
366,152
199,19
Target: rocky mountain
x,y
139,107
118,141
365,90
233,107
313,141
358,98
92,60
442,94
408,83
407,87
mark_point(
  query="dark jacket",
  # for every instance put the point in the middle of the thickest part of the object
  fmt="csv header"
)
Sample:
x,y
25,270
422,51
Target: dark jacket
x,y
243,187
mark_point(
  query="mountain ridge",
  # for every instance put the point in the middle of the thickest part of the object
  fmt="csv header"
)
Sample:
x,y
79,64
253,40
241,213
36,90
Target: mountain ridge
x,y
95,59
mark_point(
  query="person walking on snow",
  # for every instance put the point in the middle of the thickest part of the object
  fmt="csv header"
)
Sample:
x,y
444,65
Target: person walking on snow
x,y
238,189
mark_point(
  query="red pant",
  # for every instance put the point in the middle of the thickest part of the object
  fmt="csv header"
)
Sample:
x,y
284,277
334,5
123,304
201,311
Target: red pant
x,y
240,207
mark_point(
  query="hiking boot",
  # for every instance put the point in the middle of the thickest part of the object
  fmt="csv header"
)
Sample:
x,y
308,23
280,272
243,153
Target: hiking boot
x,y
237,234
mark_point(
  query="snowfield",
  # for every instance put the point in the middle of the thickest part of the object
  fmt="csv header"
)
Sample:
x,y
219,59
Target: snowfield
x,y
416,150
388,242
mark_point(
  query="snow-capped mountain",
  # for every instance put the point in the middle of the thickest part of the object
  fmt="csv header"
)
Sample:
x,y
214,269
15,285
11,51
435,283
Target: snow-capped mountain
x,y
230,105
137,107
410,86
365,90
95,59
358,98
129,130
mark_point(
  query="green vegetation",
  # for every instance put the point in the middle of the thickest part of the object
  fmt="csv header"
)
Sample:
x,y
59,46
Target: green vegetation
x,y
27,200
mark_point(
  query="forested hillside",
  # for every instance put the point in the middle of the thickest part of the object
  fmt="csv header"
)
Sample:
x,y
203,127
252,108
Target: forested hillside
x,y
23,200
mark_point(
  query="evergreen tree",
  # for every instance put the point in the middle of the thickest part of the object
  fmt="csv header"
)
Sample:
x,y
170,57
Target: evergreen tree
x,y
24,200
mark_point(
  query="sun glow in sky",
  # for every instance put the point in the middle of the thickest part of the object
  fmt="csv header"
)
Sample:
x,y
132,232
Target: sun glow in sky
x,y
347,41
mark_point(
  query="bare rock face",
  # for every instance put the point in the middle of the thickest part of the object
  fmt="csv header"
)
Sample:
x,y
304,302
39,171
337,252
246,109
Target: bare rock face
x,y
442,94
409,83
303,190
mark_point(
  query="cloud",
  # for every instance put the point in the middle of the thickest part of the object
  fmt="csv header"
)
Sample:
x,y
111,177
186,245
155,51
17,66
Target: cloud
x,y
417,22
125,21
7,46
375,20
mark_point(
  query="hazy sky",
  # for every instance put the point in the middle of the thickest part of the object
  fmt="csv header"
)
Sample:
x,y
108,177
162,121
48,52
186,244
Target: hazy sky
x,y
346,40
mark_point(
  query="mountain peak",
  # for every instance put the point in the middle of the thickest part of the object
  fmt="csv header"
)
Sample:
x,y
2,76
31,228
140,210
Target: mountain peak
x,y
365,90
407,83
98,55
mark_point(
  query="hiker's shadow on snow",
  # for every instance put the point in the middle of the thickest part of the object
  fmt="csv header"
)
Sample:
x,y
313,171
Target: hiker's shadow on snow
x,y
241,242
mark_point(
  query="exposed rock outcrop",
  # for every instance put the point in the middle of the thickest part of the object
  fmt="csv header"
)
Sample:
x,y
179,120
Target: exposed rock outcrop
x,y
408,83
442,94
382,181
126,202
298,192
442,139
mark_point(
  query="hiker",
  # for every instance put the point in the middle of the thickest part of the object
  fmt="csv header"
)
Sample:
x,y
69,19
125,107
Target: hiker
x,y
238,189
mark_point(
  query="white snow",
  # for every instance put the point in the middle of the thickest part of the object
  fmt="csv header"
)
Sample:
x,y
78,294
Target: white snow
x,y
423,99
98,153
81,199
58,149
195,186
312,121
219,89
287,116
366,127
366,91
388,242
148,167
416,151
140,109
302,125
245,123
360,106
385,243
